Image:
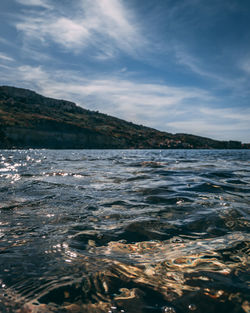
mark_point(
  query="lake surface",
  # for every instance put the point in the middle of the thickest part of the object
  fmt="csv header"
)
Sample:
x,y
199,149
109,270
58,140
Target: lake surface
x,y
124,231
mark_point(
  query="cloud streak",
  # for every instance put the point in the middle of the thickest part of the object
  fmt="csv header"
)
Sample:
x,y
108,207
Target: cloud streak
x,y
5,57
39,3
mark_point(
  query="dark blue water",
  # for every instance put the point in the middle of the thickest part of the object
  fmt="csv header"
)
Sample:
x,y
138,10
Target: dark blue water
x,y
124,231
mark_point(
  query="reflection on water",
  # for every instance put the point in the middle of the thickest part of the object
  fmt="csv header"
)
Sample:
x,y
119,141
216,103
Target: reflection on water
x,y
124,231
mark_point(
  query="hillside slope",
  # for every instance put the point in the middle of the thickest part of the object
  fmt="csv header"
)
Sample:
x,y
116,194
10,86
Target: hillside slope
x,y
29,120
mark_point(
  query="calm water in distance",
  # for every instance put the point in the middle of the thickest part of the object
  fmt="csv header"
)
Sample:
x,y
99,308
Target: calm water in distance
x,y
124,231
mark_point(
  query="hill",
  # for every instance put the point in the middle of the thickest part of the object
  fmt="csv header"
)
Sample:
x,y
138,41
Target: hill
x,y
30,120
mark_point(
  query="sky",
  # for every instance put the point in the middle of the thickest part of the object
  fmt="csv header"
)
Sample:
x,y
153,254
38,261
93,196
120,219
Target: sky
x,y
181,66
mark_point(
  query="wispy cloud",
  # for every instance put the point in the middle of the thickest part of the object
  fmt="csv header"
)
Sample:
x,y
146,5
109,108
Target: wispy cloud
x,y
232,80
40,3
5,57
199,40
114,88
125,93
8,68
67,32
245,65
197,66
104,24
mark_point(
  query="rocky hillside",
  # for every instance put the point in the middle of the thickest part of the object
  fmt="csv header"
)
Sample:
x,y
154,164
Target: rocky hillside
x,y
29,120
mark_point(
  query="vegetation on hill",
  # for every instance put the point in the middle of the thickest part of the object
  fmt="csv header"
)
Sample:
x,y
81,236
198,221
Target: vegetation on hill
x,y
29,120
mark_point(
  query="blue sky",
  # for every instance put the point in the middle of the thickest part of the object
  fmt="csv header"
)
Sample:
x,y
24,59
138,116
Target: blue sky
x,y
175,65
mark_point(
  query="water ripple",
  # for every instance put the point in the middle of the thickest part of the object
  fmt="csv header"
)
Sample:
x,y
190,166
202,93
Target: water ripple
x,y
124,231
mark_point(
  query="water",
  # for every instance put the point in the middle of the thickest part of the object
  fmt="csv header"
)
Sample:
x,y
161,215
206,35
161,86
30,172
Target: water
x,y
124,231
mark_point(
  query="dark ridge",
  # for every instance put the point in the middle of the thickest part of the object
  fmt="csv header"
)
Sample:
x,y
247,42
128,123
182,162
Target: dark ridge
x,y
30,120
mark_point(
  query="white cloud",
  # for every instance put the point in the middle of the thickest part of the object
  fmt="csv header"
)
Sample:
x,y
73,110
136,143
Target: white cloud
x,y
64,31
33,74
71,32
5,57
103,24
41,3
117,23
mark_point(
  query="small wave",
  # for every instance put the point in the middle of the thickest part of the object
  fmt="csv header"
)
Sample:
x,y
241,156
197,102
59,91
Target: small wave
x,y
214,187
168,200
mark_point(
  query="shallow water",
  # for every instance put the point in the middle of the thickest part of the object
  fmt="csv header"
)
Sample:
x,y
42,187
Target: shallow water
x,y
124,231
